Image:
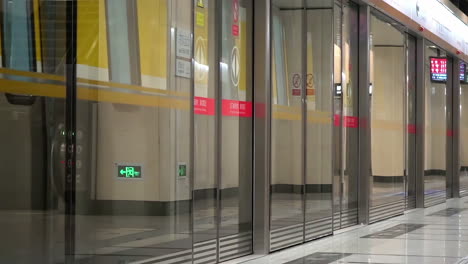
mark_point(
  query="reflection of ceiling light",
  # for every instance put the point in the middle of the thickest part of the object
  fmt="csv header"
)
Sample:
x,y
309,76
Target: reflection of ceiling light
x,y
433,47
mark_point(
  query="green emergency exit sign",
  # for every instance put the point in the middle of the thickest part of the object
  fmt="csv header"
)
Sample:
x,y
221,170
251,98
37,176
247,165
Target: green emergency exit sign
x,y
129,172
182,170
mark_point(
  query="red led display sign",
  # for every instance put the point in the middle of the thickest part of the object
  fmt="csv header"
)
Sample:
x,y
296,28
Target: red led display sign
x,y
438,69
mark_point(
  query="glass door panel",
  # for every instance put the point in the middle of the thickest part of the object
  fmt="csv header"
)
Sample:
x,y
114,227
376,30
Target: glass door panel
x,y
32,133
388,120
301,135
287,183
236,164
205,186
436,127
223,130
346,90
133,127
319,91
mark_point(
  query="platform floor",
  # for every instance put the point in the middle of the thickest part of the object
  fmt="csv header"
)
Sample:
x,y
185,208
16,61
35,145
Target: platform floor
x,y
436,235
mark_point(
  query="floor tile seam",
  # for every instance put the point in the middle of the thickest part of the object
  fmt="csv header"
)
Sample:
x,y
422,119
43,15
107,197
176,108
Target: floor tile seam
x,y
397,255
448,224
360,262
417,239
426,228
435,233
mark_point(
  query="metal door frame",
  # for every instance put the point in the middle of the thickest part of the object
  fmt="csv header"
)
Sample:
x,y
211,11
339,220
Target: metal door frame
x,y
456,121
267,97
364,114
262,125
411,160
339,164
409,94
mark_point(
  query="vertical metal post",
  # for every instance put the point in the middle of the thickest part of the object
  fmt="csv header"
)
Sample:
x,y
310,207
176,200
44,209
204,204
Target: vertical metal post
x,y
420,120
455,161
452,77
218,116
304,112
191,168
364,114
411,115
262,126
70,121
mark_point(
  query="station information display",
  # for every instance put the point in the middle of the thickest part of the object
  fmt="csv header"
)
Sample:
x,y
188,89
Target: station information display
x,y
438,69
463,77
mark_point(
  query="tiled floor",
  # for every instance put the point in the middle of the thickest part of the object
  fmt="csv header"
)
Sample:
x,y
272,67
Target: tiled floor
x,y
437,235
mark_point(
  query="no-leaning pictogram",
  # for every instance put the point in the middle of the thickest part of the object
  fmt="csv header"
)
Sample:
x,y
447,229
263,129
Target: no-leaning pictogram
x,y
310,80
235,66
296,80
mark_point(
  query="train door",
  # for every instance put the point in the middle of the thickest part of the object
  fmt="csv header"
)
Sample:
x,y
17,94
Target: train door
x,y
301,123
346,125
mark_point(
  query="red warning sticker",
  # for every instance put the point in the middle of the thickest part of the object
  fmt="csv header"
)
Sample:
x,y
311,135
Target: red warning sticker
x,y
203,106
237,108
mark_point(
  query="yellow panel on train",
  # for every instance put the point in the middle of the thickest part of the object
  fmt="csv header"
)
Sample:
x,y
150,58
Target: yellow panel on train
x,y
92,34
153,30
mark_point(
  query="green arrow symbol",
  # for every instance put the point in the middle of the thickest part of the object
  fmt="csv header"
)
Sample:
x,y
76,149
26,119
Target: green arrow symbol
x,y
122,172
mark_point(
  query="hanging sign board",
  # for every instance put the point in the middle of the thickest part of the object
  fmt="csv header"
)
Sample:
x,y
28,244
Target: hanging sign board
x,y
438,69
463,72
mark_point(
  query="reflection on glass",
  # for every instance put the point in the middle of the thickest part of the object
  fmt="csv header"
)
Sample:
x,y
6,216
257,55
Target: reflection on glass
x,y
348,210
319,90
235,226
205,215
387,107
286,138
32,137
337,117
133,131
301,189
435,129
463,131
